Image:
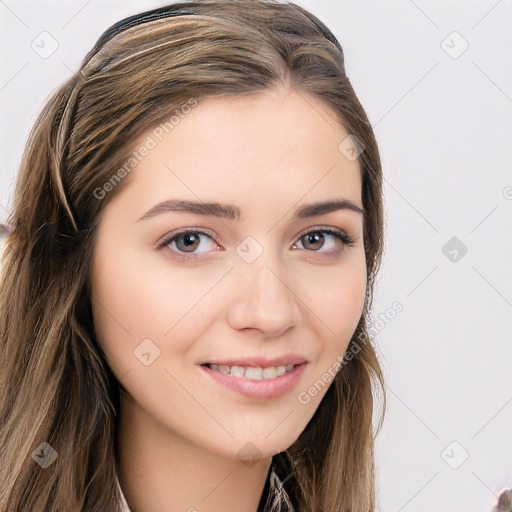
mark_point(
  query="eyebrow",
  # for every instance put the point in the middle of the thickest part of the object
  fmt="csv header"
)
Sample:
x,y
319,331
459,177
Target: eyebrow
x,y
232,212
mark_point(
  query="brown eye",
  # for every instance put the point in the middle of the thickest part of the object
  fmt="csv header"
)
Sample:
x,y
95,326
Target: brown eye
x,y
187,242
316,239
313,240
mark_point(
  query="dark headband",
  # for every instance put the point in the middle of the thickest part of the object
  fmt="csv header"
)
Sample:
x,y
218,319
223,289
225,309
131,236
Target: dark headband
x,y
132,21
174,10
126,23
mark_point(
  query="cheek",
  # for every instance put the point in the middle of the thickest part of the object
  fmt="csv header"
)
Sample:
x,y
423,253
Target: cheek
x,y
344,300
337,301
337,295
138,296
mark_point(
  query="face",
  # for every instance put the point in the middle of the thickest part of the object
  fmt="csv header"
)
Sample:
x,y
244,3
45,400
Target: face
x,y
262,285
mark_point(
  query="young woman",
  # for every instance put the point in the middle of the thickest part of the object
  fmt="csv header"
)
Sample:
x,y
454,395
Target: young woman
x,y
196,230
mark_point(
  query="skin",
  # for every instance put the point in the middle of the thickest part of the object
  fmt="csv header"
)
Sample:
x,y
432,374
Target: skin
x,y
180,432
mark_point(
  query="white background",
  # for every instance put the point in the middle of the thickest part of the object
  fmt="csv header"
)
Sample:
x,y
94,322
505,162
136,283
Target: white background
x,y
443,122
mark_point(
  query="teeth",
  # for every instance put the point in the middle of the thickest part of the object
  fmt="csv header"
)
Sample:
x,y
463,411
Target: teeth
x,y
253,373
237,371
281,370
223,369
269,373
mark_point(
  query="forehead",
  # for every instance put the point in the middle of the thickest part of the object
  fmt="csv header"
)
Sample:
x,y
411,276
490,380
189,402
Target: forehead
x,y
266,148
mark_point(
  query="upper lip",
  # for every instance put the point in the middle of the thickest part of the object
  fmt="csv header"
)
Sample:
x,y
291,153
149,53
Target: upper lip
x,y
262,362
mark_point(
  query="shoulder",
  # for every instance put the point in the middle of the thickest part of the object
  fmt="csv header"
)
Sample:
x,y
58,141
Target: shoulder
x,y
504,503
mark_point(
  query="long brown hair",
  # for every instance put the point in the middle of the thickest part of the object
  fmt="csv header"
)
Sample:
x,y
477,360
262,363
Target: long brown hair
x,y
59,400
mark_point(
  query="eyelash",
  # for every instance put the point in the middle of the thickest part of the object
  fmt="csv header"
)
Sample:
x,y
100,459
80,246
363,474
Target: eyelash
x,y
170,237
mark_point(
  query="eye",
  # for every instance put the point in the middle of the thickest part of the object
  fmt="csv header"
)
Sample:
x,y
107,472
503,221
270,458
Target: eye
x,y
185,241
315,239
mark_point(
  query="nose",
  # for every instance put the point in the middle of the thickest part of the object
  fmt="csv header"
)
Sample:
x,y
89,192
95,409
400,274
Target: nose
x,y
263,300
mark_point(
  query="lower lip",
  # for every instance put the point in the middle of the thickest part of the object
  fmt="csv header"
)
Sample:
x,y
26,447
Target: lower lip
x,y
264,388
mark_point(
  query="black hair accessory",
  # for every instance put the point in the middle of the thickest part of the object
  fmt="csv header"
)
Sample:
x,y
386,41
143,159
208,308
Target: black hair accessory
x,y
175,10
137,19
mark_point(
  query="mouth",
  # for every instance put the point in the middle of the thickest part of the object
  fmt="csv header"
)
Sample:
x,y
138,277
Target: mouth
x,y
260,382
252,372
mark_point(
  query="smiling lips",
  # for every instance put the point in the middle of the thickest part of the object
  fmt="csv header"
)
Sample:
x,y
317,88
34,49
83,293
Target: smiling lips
x,y
252,372
257,368
257,377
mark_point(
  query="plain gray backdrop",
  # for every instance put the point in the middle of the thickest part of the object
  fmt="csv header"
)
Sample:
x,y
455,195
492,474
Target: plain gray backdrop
x,y
435,78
